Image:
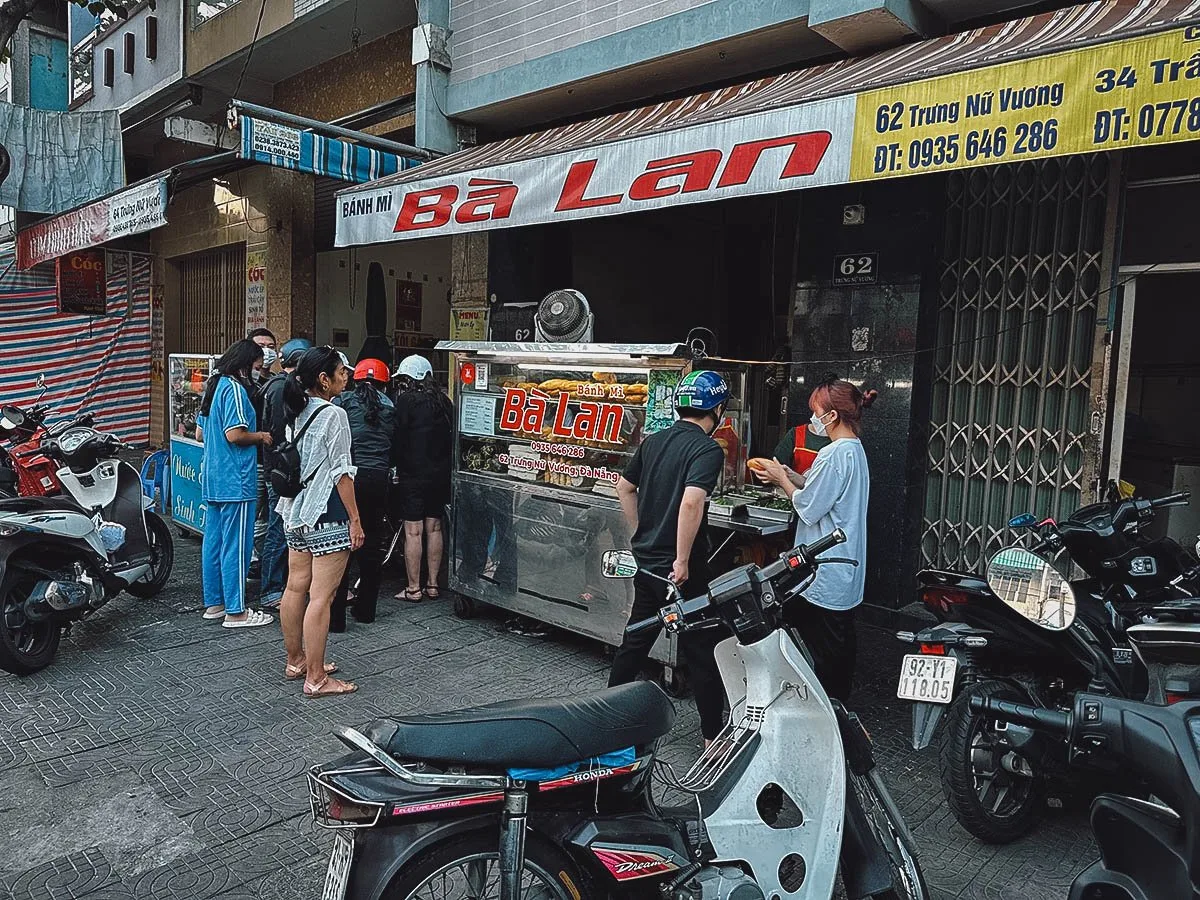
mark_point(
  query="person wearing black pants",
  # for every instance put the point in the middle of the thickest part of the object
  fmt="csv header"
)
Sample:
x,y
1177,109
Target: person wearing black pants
x,y
664,496
373,437
695,648
371,486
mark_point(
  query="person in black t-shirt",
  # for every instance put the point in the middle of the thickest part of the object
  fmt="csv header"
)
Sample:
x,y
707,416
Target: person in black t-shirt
x,y
664,494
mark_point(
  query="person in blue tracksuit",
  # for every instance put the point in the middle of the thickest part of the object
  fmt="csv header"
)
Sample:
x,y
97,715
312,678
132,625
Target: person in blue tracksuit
x,y
228,427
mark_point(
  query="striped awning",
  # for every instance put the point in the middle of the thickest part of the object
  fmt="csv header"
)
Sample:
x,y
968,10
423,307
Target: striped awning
x,y
1066,29
304,151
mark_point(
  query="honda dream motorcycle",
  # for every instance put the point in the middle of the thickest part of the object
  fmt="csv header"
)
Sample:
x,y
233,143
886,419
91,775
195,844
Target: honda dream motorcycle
x,y
443,805
1026,635
62,558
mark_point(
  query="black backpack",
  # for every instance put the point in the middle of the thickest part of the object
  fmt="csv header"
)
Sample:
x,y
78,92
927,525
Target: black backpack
x,y
284,466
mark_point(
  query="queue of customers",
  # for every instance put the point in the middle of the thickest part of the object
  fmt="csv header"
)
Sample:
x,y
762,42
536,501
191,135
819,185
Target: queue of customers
x,y
373,448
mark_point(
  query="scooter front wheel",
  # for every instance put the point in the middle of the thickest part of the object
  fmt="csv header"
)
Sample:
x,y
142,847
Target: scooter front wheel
x,y
26,646
908,882
162,560
469,866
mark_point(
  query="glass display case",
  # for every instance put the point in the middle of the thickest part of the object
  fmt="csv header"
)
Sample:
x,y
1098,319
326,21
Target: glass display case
x,y
187,375
542,435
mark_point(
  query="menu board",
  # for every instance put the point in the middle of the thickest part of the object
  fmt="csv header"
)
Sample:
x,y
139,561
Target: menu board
x,y
81,283
478,415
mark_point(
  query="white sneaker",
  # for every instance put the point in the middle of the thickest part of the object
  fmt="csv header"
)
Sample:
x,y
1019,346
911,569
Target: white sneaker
x,y
254,619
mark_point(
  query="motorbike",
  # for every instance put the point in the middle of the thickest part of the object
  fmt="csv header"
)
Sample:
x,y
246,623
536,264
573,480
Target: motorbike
x,y
25,470
1149,848
62,558
998,783
552,798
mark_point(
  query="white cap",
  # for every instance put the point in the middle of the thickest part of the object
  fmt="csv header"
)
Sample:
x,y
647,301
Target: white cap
x,y
345,359
415,367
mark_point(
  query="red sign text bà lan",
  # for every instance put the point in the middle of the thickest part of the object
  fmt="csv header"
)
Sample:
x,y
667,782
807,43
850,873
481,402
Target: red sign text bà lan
x,y
526,412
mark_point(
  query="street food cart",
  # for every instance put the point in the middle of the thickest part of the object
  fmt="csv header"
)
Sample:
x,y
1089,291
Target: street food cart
x,y
187,375
542,434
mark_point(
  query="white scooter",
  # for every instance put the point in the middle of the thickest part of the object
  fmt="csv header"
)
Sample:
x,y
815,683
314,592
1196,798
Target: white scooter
x,y
551,799
62,558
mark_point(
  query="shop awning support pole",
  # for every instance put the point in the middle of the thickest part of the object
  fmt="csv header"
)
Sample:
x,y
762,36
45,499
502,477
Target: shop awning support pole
x,y
239,107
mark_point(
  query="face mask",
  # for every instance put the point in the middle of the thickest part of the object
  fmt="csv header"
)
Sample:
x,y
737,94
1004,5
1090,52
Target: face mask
x,y
818,427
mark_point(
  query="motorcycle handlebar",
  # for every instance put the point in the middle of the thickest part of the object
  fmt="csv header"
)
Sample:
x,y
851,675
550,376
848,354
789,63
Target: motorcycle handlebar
x,y
831,540
1181,499
1035,717
643,625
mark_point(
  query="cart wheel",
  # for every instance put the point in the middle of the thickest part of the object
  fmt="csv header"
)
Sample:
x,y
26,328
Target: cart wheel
x,y
674,683
465,607
183,532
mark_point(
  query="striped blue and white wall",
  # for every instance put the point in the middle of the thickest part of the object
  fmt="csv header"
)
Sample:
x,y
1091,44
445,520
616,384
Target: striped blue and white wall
x,y
96,364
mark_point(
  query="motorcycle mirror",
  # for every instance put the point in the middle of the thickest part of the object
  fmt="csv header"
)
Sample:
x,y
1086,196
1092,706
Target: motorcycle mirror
x,y
1031,586
11,418
1025,520
618,564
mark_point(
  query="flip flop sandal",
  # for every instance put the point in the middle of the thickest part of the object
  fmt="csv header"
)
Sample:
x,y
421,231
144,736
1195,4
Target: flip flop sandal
x,y
433,592
292,673
313,691
413,595
214,612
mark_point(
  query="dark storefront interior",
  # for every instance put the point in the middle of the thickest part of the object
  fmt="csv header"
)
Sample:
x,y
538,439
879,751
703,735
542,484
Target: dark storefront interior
x,y
760,273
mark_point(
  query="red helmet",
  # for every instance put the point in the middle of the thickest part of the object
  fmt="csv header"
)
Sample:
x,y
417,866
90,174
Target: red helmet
x,y
372,370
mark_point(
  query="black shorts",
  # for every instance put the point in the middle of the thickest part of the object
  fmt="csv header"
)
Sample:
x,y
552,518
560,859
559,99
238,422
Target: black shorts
x,y
420,500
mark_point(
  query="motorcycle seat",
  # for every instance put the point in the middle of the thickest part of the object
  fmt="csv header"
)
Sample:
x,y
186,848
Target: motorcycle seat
x,y
531,733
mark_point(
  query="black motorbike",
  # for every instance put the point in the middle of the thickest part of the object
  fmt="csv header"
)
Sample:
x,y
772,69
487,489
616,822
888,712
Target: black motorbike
x,y
551,799
998,782
1149,848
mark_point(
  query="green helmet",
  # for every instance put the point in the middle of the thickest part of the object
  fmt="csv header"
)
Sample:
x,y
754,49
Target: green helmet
x,y
701,390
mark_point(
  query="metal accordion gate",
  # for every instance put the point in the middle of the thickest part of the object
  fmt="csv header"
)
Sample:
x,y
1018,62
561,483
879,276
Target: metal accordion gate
x,y
1017,409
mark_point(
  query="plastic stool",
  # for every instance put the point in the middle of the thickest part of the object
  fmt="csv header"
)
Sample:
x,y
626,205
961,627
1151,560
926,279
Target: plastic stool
x,y
154,479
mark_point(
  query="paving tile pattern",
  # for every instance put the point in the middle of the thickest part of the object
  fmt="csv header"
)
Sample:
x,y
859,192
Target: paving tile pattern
x,y
163,756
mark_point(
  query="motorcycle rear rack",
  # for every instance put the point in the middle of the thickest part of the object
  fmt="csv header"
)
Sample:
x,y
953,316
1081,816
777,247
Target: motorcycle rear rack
x,y
323,794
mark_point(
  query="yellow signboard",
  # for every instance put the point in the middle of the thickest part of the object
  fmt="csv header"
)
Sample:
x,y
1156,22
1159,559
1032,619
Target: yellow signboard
x,y
469,324
1126,94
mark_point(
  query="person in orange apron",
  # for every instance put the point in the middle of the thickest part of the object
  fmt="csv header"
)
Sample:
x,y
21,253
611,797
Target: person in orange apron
x,y
798,447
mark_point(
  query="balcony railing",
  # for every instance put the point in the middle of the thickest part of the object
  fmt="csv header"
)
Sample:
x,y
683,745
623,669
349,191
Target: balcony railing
x,y
81,69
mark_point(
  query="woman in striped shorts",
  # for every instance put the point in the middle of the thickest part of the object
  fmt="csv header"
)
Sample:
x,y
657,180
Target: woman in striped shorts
x,y
321,524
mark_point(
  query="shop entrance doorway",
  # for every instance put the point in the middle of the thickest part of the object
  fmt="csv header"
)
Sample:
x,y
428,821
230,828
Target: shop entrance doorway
x,y
1156,432
212,299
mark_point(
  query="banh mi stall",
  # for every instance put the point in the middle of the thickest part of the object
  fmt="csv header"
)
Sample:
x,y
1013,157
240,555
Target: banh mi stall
x,y
542,435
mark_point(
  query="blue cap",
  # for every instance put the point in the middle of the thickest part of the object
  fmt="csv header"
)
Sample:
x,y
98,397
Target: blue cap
x,y
291,352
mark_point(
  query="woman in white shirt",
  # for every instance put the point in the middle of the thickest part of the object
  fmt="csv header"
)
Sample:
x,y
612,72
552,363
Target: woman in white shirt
x,y
321,524
832,494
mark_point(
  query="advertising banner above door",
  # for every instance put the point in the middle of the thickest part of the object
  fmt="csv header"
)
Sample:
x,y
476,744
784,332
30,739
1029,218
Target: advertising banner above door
x,y
786,149
1124,94
134,210
1107,96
